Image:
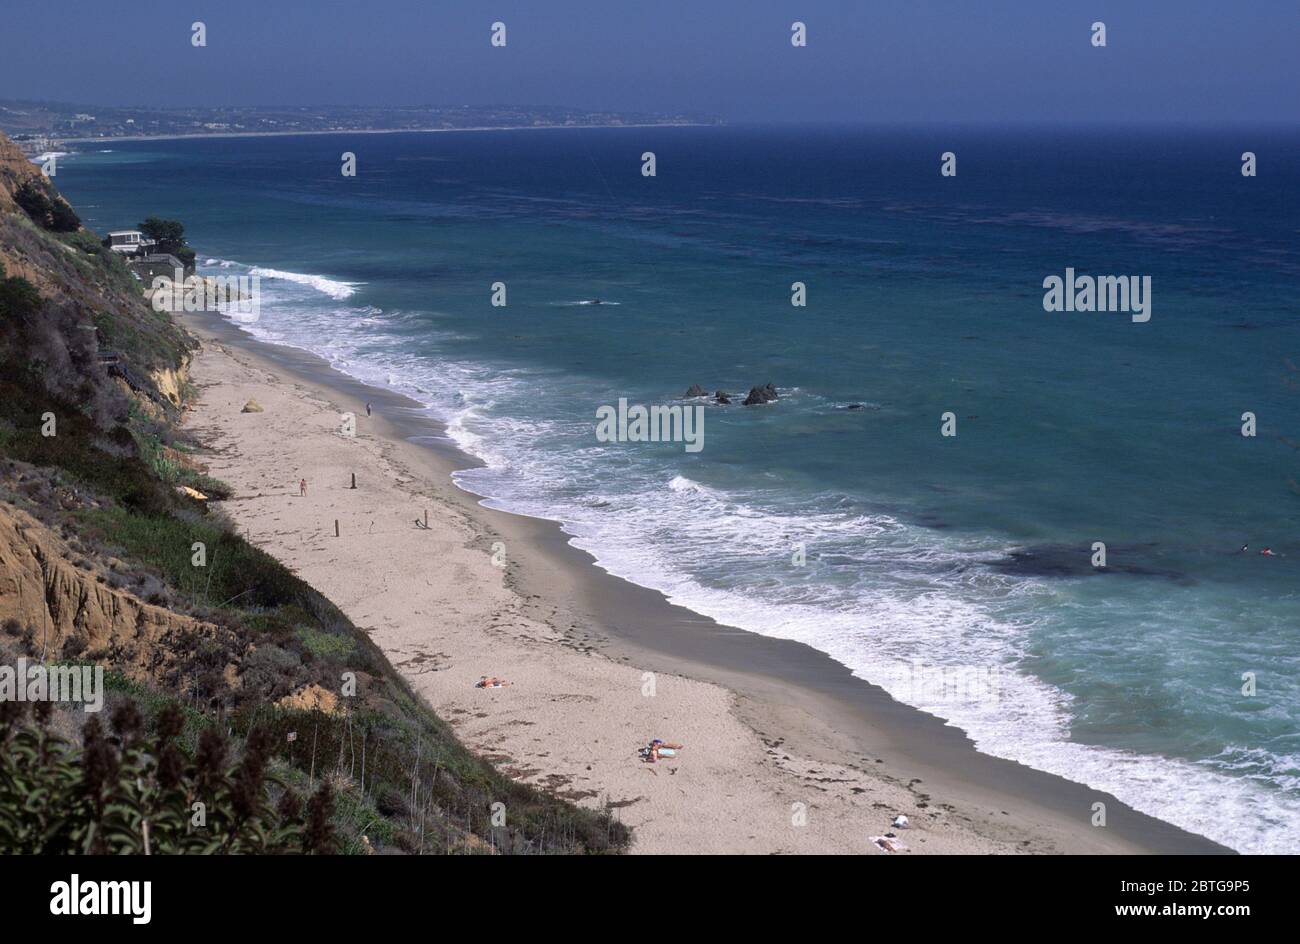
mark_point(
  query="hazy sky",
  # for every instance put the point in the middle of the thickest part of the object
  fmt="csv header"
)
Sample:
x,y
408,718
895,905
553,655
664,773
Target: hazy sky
x,y
866,60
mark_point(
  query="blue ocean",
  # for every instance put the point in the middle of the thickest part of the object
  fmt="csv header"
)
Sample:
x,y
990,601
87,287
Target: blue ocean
x,y
957,572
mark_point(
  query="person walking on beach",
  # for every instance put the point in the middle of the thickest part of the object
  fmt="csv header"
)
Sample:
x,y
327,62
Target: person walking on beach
x,y
367,409
302,488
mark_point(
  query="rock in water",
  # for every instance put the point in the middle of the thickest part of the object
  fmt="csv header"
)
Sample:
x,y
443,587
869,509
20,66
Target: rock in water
x,y
696,391
252,406
758,395
722,396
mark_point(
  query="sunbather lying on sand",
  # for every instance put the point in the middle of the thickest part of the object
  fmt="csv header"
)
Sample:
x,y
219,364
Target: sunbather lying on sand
x,y
659,748
487,681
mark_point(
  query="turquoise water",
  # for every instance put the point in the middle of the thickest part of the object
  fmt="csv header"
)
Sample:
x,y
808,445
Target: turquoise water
x,y
954,571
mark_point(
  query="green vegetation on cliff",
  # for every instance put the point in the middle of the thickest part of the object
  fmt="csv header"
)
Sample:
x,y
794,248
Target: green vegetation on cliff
x,y
169,235
256,697
46,208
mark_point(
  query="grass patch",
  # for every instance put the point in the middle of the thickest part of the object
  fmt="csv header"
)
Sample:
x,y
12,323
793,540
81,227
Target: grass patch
x,y
331,646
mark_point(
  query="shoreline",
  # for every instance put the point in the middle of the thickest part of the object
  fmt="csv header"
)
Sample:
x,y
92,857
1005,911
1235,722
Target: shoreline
x,y
792,725
292,134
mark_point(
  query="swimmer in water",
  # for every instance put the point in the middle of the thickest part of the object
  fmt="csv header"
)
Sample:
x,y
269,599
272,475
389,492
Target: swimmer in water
x,y
1268,552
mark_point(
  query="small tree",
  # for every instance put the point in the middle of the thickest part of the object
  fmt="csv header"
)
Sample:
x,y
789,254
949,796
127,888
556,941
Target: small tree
x,y
63,219
46,208
35,203
169,236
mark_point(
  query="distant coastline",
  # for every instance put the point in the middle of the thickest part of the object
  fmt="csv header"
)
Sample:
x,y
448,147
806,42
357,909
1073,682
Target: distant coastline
x,y
295,134
38,125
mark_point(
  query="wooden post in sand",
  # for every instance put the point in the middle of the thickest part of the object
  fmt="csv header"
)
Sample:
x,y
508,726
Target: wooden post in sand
x,y
336,527
354,480
426,519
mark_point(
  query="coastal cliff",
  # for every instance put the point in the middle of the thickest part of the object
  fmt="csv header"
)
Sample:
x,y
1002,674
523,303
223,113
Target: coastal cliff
x,y
15,170
110,556
71,610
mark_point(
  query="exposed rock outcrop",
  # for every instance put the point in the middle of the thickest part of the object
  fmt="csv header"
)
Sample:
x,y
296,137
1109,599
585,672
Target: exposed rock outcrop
x,y
67,613
171,381
15,170
311,698
760,395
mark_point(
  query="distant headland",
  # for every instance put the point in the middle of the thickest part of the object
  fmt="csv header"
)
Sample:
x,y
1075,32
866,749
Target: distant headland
x,y
38,127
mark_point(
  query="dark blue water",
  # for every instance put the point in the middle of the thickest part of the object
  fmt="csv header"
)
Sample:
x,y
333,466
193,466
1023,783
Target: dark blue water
x,y
955,571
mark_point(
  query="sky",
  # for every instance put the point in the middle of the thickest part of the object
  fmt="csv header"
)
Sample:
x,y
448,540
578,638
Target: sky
x,y
865,61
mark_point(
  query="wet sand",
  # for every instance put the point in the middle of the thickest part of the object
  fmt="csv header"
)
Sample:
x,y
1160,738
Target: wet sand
x,y
786,751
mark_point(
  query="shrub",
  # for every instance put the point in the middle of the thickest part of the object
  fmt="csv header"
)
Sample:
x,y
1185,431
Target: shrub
x,y
333,647
46,208
128,792
34,202
63,219
18,298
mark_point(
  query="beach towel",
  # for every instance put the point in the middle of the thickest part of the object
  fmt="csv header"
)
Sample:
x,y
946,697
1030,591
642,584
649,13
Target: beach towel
x,y
890,844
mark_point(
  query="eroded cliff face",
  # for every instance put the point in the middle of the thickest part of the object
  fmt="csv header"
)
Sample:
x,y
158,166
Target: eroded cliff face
x,y
171,382
15,170
67,612
94,342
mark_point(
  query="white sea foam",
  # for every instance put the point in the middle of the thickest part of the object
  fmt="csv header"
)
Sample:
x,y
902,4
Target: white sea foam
x,y
681,483
882,631
887,629
334,288
912,597
331,287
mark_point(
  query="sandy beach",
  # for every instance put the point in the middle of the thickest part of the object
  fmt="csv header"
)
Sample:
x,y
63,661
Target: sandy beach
x,y
784,750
